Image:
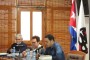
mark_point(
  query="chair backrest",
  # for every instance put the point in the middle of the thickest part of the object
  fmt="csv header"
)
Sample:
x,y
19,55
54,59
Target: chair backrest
x,y
75,55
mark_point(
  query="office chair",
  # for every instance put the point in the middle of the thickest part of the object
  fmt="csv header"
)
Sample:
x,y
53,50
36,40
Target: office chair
x,y
75,55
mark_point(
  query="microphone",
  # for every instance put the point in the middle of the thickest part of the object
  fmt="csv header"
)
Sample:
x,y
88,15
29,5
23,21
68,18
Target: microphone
x,y
38,49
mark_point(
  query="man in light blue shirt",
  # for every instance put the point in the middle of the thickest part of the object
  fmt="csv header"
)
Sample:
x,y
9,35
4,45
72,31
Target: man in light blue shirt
x,y
53,48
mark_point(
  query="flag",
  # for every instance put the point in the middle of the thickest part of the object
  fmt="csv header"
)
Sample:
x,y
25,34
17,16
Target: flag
x,y
72,27
81,30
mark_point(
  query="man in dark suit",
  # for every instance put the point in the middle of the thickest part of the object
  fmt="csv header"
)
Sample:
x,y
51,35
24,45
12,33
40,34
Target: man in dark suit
x,y
19,45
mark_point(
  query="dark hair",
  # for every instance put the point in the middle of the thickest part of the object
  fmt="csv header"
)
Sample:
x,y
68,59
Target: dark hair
x,y
36,37
50,37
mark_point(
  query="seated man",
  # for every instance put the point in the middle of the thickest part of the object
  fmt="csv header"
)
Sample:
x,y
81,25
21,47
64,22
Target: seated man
x,y
35,46
53,48
19,45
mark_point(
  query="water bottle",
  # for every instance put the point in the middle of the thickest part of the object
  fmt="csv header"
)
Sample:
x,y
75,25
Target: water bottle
x,y
13,52
34,55
28,54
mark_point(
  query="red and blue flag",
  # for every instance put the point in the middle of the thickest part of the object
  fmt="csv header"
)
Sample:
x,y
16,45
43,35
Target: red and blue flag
x,y
72,27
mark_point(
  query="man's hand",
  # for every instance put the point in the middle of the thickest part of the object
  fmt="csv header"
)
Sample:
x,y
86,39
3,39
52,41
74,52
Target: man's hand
x,y
37,56
24,54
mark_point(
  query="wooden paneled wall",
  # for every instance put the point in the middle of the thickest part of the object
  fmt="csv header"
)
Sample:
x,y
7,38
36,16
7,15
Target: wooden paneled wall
x,y
7,26
56,20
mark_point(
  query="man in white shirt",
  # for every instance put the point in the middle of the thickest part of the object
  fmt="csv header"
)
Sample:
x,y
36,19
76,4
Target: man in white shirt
x,y
35,46
35,42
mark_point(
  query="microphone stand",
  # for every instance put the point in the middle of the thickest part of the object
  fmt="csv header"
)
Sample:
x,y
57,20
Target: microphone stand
x,y
19,52
19,55
37,50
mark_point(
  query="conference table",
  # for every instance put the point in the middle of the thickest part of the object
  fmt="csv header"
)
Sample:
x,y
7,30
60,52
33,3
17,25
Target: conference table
x,y
17,56
12,59
5,56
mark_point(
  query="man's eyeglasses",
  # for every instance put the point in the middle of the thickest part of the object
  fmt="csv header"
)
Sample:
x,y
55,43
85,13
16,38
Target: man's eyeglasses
x,y
18,39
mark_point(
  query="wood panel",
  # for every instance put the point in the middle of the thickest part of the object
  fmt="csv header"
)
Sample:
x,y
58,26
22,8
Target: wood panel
x,y
7,27
31,2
